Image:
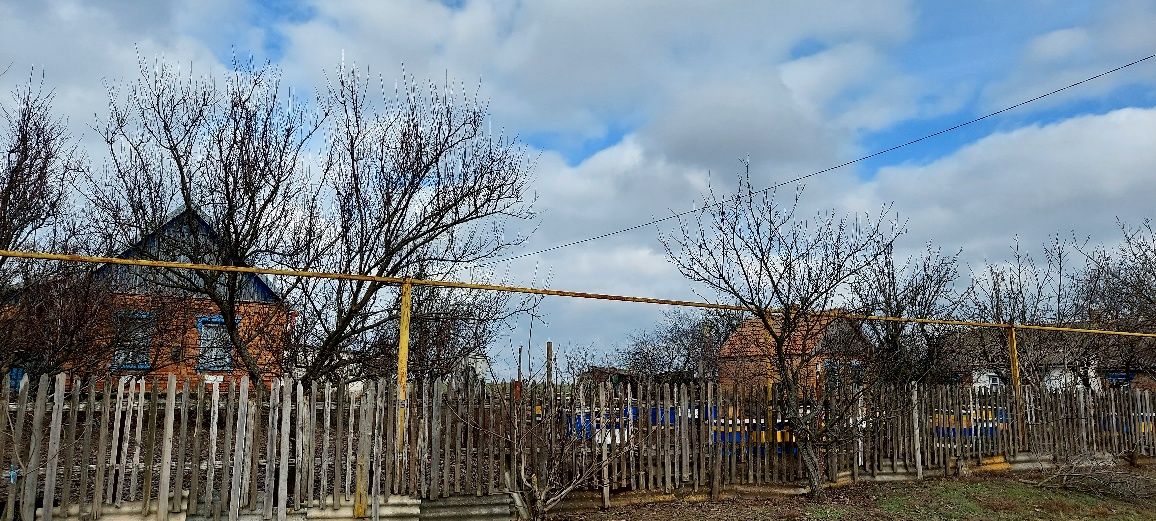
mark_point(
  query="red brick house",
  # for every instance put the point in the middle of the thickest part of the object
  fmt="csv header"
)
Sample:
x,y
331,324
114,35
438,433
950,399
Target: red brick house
x,y
155,327
747,357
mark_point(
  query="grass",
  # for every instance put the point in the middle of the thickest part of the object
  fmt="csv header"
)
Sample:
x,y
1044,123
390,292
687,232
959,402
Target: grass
x,y
999,499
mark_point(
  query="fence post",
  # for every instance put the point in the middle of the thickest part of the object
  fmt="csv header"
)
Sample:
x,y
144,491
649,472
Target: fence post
x,y
915,430
29,470
603,437
402,363
52,461
167,451
1013,353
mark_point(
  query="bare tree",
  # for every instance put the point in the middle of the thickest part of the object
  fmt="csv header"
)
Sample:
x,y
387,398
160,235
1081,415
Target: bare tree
x,y
421,187
40,163
920,287
227,161
790,275
1026,291
684,345
1116,291
51,308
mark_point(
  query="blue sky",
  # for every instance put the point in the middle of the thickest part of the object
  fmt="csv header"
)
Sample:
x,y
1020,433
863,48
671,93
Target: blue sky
x,y
632,109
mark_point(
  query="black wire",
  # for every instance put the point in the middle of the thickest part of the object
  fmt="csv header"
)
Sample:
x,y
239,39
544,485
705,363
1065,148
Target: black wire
x,y
823,171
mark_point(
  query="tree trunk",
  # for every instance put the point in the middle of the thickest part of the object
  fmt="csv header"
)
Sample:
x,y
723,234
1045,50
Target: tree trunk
x,y
811,465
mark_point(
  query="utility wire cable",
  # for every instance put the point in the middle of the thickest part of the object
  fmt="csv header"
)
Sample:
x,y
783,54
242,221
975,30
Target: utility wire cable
x,y
739,197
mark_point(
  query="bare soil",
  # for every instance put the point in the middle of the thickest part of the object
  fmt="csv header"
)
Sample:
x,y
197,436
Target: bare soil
x,y
989,497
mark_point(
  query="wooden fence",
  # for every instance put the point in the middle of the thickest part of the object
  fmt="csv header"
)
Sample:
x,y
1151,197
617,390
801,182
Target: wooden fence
x,y
223,450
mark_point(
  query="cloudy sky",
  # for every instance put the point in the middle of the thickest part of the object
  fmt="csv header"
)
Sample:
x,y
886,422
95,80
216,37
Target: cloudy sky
x,y
632,108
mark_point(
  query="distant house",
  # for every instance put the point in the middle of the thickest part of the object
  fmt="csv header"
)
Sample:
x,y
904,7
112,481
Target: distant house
x,y
155,326
1088,361
747,357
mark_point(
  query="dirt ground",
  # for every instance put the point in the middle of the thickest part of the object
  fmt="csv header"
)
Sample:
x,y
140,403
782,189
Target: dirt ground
x,y
988,498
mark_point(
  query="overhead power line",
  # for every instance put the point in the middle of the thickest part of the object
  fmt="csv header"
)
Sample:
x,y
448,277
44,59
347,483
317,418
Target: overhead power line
x,y
738,198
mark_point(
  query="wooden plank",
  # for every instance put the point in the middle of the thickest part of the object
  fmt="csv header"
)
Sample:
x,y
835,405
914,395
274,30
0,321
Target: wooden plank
x,y
150,452
915,432
69,447
221,505
194,503
239,455
18,454
5,421
271,448
182,447
646,451
618,438
31,470
491,442
701,435
101,452
389,432
444,438
715,404
283,449
448,443
435,466
325,441
167,449
52,458
338,438
86,448
683,434
347,461
121,432
414,423
361,462
252,456
461,454
132,492
421,453
129,438
211,459
300,426
731,401
602,435
311,458
611,441
468,430
667,435
379,426
1149,424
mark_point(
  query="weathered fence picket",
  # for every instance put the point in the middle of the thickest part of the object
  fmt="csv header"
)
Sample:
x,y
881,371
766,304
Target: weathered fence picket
x,y
237,448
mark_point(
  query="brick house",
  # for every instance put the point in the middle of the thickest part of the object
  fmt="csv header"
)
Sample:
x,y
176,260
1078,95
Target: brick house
x,y
154,327
747,357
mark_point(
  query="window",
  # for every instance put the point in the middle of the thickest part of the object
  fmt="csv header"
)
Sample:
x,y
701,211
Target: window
x,y
14,376
1120,378
132,343
216,351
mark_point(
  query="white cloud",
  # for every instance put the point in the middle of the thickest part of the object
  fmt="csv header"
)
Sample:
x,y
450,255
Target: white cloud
x,y
1076,176
1117,34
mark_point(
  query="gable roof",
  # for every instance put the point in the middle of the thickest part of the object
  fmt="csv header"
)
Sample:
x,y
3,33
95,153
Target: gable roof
x,y
261,291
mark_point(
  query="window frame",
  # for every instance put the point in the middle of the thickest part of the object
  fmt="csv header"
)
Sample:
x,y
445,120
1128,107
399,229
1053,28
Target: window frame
x,y
202,366
119,362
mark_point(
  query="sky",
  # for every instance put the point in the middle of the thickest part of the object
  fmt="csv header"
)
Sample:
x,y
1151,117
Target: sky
x,y
631,110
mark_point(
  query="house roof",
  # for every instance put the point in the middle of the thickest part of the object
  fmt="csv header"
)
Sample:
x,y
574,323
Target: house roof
x,y
752,339
261,289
